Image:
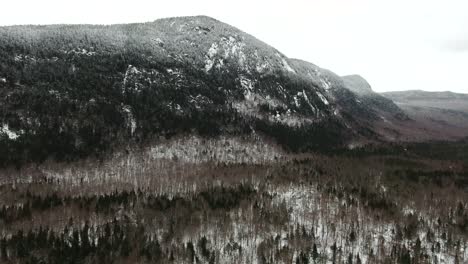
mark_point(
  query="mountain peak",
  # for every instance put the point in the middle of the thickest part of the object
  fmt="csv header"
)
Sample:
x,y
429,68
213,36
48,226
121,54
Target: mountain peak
x,y
357,84
201,19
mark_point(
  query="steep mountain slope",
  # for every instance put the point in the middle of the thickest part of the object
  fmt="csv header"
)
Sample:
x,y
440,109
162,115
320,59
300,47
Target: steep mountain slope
x,y
70,91
369,109
381,108
371,99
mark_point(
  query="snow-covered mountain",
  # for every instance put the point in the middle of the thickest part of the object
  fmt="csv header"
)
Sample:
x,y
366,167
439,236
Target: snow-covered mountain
x,y
91,88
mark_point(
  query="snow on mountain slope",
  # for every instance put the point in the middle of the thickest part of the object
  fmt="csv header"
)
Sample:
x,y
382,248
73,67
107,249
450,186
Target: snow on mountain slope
x,y
382,106
136,82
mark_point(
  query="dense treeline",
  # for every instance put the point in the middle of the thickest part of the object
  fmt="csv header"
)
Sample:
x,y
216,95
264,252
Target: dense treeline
x,y
313,209
214,198
320,137
442,150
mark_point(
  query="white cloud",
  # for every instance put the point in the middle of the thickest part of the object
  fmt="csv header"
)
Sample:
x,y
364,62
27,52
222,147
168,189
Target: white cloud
x,y
396,45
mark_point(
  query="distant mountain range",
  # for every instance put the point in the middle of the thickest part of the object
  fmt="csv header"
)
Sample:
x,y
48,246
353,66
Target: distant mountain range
x,y
441,100
70,91
435,115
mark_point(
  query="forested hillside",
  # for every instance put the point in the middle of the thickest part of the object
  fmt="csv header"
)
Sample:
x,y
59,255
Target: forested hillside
x,y
158,207
68,92
186,140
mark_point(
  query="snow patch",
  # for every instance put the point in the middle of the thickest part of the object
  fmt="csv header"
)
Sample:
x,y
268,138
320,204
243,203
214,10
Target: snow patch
x,y
408,211
285,63
176,108
26,58
261,65
10,133
213,50
129,118
282,90
384,119
181,27
159,41
199,100
228,47
304,94
324,100
175,72
248,86
131,71
234,48
209,61
296,100
78,51
325,84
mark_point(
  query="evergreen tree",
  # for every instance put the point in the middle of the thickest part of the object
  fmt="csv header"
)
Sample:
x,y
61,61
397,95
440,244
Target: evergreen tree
x,y
315,254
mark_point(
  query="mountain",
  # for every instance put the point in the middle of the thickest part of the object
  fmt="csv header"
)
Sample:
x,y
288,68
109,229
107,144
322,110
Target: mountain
x,y
373,100
73,90
441,100
70,91
435,115
380,105
358,85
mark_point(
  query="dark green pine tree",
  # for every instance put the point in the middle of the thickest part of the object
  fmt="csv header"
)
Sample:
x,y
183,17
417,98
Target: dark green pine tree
x,y
405,257
315,254
302,258
3,250
358,259
333,248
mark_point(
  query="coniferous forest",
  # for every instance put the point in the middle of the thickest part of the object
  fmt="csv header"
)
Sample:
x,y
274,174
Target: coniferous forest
x,y
347,208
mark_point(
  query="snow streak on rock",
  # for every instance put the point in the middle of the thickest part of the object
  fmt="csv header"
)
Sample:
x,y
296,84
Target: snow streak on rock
x,y
209,61
285,63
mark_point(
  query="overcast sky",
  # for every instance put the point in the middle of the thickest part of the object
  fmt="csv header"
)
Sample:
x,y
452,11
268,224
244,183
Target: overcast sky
x,y
395,45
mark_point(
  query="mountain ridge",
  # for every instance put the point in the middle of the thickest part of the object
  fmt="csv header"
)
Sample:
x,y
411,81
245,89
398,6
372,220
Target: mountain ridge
x,y
91,87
